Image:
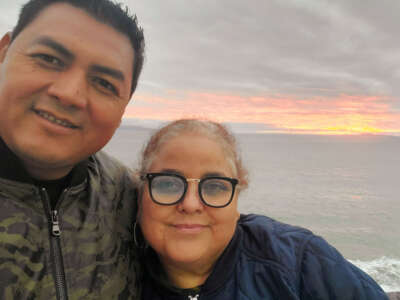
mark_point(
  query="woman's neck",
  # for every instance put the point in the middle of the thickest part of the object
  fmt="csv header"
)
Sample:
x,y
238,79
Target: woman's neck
x,y
187,276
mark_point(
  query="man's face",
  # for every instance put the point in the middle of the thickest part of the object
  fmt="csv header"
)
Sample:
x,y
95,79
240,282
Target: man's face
x,y
64,84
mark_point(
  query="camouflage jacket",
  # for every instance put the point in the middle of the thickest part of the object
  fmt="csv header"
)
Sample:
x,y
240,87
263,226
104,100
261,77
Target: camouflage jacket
x,y
82,249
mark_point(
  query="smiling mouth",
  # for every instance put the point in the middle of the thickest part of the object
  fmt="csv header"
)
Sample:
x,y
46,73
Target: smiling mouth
x,y
51,118
189,226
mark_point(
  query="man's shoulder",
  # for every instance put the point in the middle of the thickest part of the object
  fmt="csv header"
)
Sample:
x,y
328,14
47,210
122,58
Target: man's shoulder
x,y
111,183
108,175
104,165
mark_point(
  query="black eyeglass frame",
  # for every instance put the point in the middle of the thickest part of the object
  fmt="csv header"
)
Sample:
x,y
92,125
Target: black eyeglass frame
x,y
151,176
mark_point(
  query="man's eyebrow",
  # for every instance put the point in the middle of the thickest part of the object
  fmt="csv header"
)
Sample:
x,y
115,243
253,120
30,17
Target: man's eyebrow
x,y
117,74
49,42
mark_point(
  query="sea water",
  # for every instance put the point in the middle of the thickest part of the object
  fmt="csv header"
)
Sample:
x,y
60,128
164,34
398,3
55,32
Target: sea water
x,y
343,188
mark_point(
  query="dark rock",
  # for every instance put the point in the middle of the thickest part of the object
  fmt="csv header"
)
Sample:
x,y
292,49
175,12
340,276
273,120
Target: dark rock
x,y
394,295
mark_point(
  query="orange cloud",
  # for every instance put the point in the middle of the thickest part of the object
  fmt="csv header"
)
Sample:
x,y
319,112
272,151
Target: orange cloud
x,y
342,115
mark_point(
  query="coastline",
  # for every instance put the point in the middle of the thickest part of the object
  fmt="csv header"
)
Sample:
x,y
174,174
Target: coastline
x,y
393,295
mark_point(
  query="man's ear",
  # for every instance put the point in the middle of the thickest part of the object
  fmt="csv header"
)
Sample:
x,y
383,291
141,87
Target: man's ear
x,y
4,44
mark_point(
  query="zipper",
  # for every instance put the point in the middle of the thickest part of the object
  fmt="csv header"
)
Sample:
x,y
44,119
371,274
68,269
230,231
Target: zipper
x,y
55,228
55,245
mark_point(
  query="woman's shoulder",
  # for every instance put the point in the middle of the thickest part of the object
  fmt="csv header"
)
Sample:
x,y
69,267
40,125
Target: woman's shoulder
x,y
264,232
270,241
297,251
255,222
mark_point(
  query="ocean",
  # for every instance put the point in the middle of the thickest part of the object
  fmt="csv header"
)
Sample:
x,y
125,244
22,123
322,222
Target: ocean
x,y
343,188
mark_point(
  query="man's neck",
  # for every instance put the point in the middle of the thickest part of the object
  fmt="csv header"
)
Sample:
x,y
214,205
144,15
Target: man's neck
x,y
37,171
11,167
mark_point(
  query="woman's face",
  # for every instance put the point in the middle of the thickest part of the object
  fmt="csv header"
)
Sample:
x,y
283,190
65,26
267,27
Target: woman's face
x,y
189,232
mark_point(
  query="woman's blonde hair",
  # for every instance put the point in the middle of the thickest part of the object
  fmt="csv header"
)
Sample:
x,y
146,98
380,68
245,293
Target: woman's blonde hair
x,y
213,130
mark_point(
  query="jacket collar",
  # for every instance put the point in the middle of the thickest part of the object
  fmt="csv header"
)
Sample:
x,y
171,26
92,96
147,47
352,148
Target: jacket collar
x,y
225,265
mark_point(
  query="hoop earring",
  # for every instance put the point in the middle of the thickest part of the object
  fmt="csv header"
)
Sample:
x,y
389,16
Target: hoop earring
x,y
140,244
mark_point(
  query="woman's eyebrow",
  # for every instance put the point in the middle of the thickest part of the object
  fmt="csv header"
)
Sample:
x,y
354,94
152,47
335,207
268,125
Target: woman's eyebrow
x,y
171,171
210,174
207,174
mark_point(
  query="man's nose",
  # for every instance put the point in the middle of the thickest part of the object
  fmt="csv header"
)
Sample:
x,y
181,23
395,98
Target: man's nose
x,y
70,88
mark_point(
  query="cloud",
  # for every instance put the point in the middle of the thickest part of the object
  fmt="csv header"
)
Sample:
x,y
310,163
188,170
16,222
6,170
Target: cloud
x,y
308,48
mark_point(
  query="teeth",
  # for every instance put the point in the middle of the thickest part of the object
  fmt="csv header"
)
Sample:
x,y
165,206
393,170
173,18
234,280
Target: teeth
x,y
52,119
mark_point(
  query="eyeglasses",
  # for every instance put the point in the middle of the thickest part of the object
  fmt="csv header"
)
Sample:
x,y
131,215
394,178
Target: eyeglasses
x,y
169,189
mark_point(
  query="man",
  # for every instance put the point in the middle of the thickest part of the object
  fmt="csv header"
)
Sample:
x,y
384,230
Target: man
x,y
67,72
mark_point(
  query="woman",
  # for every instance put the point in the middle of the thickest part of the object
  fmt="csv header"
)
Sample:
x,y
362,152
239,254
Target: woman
x,y
196,244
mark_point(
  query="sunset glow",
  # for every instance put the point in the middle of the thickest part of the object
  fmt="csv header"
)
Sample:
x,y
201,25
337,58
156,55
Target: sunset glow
x,y
341,115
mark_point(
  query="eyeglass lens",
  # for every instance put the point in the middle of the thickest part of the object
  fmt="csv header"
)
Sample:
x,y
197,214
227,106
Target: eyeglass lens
x,y
169,189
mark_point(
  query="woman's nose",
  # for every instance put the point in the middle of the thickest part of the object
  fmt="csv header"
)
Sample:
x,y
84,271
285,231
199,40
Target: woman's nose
x,y
191,203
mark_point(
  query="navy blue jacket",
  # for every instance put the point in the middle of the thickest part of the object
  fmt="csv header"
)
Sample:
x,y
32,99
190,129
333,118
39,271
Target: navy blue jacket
x,y
269,260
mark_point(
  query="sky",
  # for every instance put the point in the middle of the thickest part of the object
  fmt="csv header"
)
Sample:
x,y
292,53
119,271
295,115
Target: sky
x,y
283,66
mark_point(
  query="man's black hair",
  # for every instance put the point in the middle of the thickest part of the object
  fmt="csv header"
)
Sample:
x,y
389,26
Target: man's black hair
x,y
104,11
